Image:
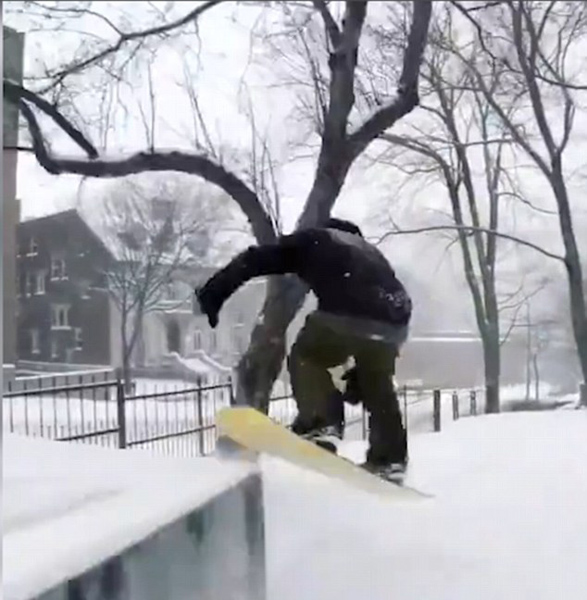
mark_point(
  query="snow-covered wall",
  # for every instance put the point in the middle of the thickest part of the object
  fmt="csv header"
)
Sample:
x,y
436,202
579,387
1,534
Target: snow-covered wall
x,y
82,523
215,552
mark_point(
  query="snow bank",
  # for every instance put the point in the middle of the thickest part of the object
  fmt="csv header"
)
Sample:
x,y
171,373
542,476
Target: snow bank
x,y
68,508
508,521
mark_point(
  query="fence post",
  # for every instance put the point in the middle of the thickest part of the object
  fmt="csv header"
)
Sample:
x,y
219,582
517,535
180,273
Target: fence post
x,y
200,416
364,422
436,410
231,392
11,406
473,399
405,393
455,406
120,410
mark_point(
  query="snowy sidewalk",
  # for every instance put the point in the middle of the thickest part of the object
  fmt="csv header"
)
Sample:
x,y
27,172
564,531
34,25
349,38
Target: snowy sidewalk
x,y
509,521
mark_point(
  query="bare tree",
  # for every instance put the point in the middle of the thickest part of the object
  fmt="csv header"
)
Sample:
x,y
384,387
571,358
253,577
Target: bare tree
x,y
340,145
156,231
458,134
533,45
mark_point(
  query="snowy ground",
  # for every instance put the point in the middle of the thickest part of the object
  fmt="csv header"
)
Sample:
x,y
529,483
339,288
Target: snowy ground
x,y
508,521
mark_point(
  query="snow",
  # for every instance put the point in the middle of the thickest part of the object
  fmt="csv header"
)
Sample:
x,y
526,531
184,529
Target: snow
x,y
66,507
508,520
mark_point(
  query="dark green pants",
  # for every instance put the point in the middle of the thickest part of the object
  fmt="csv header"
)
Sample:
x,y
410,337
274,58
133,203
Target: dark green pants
x,y
320,347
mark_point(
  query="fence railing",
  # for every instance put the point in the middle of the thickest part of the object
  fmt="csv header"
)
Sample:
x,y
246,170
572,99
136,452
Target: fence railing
x,y
177,421
180,419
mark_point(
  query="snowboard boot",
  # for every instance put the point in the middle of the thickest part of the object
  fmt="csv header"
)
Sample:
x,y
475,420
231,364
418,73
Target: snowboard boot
x,y
326,437
394,472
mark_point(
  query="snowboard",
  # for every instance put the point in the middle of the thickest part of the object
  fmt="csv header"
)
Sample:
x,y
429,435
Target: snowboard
x,y
256,432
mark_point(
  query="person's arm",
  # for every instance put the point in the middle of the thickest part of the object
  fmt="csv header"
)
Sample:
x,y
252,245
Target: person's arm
x,y
280,258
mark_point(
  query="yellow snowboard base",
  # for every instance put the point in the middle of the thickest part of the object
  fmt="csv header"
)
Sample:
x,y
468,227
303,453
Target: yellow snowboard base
x,y
253,430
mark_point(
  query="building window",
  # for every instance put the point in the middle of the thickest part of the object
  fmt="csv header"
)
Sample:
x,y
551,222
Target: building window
x,y
213,341
58,268
197,339
35,345
40,283
54,349
79,340
33,247
60,316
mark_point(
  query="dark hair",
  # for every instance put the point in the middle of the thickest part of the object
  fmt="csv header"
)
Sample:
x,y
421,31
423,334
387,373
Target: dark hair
x,y
343,225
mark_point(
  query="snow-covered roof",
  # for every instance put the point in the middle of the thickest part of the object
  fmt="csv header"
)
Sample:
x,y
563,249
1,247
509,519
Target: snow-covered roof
x,y
199,360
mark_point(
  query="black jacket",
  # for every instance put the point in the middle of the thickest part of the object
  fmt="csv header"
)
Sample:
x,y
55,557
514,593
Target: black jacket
x,y
349,276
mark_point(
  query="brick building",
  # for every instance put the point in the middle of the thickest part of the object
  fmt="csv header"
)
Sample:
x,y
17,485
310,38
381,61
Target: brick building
x,y
65,313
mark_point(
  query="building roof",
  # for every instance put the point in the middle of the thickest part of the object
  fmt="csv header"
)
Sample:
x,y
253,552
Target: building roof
x,y
71,214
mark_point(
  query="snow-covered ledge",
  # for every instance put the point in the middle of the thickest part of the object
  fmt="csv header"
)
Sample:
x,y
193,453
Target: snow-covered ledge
x,y
86,522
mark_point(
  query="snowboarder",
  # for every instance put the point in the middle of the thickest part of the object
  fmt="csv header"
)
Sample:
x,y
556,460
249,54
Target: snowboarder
x,y
363,312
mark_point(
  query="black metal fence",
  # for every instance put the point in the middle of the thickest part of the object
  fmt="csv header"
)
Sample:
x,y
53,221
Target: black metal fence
x,y
425,409
86,410
179,419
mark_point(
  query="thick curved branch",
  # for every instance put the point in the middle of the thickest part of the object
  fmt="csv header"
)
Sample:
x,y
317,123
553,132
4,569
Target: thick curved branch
x,y
139,162
467,228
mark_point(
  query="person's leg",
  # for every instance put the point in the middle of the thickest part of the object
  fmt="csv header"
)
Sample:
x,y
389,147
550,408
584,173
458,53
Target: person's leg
x,y
317,349
387,436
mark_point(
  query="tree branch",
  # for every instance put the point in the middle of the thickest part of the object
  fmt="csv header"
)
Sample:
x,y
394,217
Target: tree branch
x,y
342,63
128,37
467,228
139,162
16,94
331,27
407,94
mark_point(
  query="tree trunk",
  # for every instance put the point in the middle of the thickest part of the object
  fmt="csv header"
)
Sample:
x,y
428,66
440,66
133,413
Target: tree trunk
x,y
528,354
579,319
573,267
126,370
261,364
492,360
127,350
536,377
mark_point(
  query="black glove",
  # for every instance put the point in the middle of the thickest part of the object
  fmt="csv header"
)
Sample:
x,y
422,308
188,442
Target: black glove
x,y
209,303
